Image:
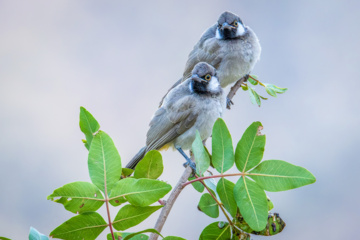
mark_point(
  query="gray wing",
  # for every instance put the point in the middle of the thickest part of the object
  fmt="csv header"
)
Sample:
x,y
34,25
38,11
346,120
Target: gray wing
x,y
169,122
204,51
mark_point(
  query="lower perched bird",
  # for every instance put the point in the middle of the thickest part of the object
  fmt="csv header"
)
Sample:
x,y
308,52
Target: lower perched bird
x,y
229,46
193,105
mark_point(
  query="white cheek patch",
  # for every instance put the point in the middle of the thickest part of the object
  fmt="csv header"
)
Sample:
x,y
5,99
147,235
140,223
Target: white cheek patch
x,y
214,84
217,34
240,30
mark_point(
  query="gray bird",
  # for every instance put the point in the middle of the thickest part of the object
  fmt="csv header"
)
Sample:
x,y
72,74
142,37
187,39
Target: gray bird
x,y
229,46
195,104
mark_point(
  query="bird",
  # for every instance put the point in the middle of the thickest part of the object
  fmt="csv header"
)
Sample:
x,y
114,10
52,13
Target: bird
x,y
230,46
194,105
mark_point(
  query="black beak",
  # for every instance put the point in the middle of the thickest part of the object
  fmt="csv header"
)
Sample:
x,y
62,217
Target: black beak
x,y
226,26
196,77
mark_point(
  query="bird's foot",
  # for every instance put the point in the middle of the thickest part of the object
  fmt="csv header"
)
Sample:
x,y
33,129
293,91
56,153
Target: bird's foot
x,y
229,103
193,167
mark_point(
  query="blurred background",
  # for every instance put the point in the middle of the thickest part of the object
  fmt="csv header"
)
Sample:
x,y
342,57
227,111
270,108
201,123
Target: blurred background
x,y
118,58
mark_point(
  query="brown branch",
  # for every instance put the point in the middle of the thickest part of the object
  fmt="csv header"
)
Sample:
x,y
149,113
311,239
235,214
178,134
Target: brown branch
x,y
234,89
170,202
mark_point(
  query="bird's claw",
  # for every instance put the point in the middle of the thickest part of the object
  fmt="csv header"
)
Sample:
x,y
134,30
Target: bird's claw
x,y
193,167
229,103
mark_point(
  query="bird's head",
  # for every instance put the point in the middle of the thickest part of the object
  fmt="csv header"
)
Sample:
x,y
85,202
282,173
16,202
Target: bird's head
x,y
230,26
204,80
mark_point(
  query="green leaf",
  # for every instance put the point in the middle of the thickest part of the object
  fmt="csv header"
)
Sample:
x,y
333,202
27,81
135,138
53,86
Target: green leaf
x,y
216,231
126,172
274,88
85,226
197,185
4,238
270,204
130,216
88,125
173,238
135,236
138,235
245,87
84,197
270,91
254,97
211,184
33,235
252,81
277,175
264,98
225,189
222,148
202,159
254,76
151,166
208,205
252,202
104,162
250,149
116,235
140,192
274,225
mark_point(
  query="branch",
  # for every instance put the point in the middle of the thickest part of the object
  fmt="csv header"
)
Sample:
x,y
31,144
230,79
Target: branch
x,y
234,88
170,202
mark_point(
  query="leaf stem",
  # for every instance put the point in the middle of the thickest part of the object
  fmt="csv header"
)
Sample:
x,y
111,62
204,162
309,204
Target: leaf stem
x,y
216,176
217,201
108,213
257,81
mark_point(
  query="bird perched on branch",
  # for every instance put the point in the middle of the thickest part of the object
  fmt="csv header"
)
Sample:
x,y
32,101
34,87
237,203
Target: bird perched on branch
x,y
194,105
229,46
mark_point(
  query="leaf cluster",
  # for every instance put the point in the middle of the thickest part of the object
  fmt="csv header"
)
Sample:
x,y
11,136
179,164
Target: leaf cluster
x,y
255,98
135,194
244,202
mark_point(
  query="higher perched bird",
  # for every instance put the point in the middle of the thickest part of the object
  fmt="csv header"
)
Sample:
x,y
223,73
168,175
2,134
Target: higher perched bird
x,y
195,104
229,46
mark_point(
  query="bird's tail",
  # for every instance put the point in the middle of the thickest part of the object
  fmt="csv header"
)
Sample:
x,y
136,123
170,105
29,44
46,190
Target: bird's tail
x,y
136,159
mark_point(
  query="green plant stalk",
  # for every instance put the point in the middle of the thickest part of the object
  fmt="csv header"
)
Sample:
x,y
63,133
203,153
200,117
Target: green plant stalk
x,y
226,175
217,202
257,81
217,176
108,212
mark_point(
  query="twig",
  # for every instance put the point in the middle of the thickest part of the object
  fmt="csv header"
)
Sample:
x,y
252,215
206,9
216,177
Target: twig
x,y
234,88
170,202
217,202
216,176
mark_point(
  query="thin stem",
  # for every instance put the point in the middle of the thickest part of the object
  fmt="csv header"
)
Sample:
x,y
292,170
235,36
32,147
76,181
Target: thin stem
x,y
216,176
217,201
109,218
257,81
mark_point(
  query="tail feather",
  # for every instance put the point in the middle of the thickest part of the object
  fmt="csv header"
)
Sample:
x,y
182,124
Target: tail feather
x,y
136,159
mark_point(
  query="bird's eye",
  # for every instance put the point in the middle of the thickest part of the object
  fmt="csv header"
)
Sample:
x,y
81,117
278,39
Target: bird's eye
x,y
207,77
235,24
